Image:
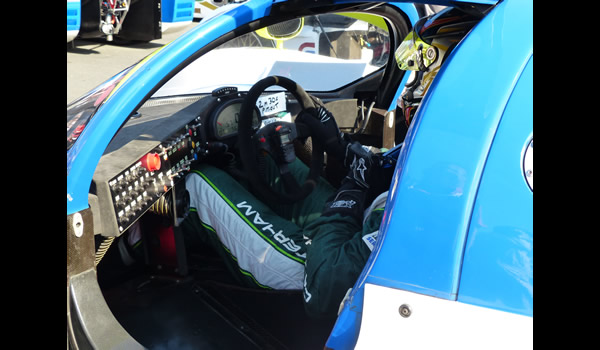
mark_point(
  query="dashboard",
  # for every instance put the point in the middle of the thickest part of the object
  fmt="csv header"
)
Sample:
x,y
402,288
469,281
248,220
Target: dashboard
x,y
154,150
159,144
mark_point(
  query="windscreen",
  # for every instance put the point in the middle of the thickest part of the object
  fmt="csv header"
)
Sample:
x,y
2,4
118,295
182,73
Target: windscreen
x,y
81,111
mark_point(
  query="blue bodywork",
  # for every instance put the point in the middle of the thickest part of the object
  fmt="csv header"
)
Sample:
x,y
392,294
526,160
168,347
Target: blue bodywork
x,y
73,15
443,160
177,10
459,220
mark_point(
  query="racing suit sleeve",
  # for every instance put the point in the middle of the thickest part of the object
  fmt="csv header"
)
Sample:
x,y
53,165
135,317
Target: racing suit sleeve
x,y
336,251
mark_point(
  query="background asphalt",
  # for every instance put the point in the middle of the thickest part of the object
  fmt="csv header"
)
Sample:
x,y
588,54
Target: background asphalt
x,y
91,62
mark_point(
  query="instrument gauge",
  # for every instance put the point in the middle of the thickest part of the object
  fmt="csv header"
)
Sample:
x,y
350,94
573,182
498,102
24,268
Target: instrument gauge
x,y
226,117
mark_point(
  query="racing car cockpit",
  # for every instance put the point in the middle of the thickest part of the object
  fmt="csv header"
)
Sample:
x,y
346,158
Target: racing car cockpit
x,y
250,87
138,188
229,108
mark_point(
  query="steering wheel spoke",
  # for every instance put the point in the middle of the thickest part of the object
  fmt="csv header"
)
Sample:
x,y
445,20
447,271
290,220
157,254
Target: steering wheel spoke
x,y
277,139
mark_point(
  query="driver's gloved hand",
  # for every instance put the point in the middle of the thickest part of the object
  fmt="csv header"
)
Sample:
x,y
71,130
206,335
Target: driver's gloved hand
x,y
360,163
323,128
354,192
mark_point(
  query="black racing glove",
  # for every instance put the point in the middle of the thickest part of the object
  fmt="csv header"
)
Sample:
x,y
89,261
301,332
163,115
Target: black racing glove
x,y
360,163
324,129
351,198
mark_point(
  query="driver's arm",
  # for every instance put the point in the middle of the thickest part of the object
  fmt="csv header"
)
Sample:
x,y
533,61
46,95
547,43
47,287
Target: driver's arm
x,y
339,241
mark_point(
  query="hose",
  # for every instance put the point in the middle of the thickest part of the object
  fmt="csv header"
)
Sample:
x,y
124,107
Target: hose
x,y
365,119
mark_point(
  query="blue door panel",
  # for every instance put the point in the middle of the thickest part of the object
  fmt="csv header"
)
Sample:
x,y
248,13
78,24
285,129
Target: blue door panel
x,y
424,231
498,264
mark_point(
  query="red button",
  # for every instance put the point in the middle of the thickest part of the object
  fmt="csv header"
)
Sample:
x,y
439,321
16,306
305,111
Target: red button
x,y
151,161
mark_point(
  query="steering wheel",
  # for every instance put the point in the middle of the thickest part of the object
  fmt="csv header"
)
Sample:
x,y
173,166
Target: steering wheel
x,y
277,139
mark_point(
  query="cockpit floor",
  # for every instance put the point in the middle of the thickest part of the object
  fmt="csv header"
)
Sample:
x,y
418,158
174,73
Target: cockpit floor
x,y
199,312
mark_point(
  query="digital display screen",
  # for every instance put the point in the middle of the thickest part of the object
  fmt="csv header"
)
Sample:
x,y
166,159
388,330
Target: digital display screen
x,y
228,117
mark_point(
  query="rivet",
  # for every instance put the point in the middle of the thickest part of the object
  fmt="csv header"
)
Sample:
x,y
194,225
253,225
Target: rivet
x,y
405,310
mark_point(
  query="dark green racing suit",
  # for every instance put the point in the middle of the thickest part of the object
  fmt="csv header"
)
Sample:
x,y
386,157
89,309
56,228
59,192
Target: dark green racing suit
x,y
319,244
